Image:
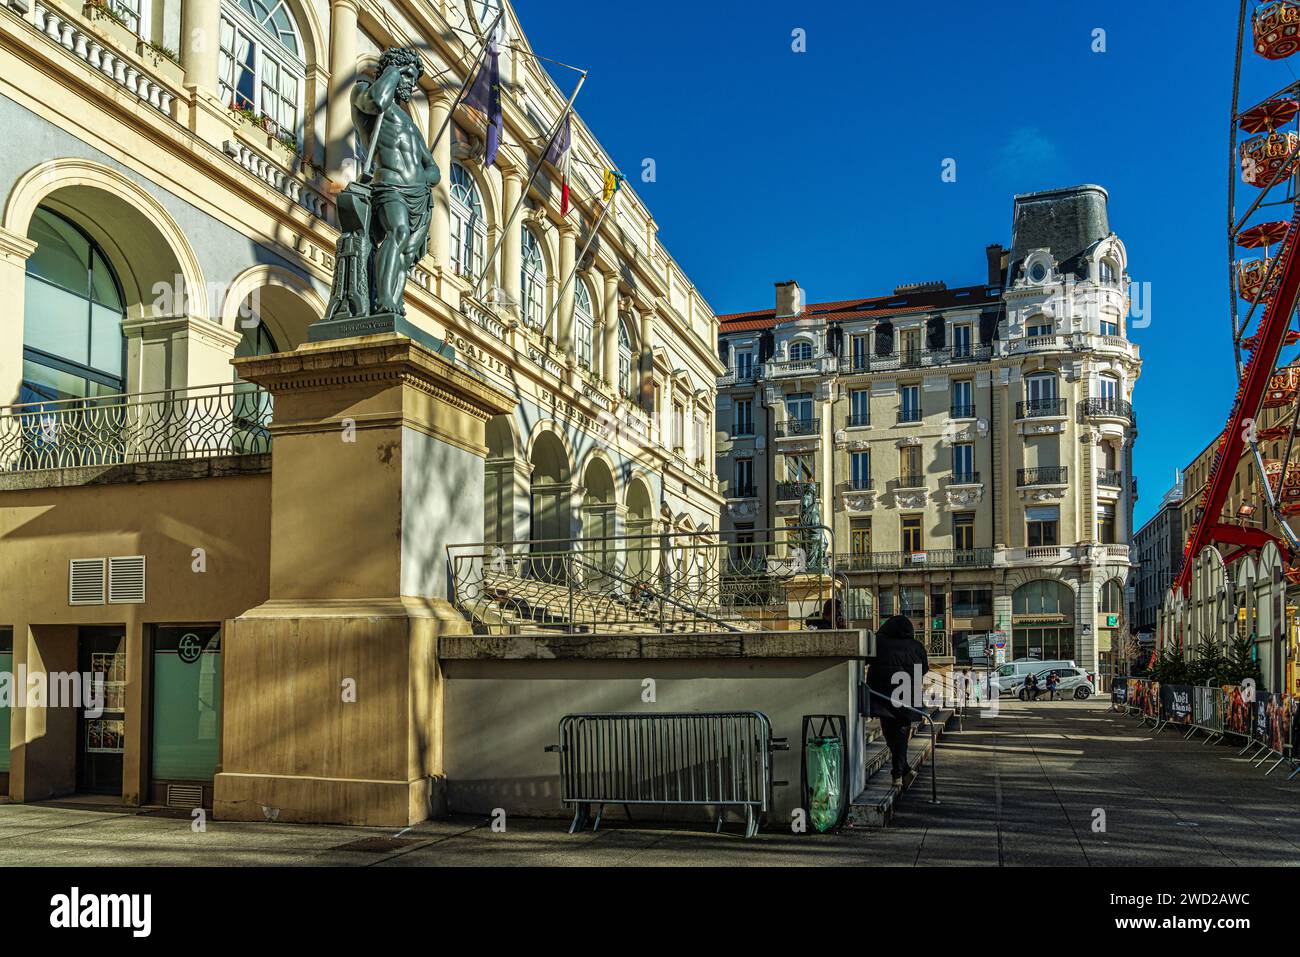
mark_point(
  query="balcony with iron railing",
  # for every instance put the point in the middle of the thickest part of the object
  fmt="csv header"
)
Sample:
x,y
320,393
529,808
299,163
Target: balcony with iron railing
x,y
911,480
858,485
912,358
179,424
743,491
793,491
1106,407
796,427
964,478
931,558
858,420
962,412
742,430
1042,475
1112,478
739,376
1040,408
908,415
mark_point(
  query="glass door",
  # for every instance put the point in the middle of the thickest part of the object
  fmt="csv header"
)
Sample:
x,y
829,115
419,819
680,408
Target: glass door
x,y
101,729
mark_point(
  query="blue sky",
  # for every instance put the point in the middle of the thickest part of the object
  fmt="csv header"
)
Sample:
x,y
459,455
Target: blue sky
x,y
824,166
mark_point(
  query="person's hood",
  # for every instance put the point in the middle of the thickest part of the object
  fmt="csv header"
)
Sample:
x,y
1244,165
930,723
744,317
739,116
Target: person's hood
x,y
896,628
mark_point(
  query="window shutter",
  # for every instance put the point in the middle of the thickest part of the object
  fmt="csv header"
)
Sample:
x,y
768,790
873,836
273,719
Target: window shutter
x,y
126,580
86,581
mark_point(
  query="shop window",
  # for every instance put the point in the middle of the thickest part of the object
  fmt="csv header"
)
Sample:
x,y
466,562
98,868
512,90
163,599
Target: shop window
x,y
186,702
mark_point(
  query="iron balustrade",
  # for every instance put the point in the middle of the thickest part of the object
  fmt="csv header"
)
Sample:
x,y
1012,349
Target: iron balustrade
x,y
858,419
1106,407
964,478
743,491
798,427
670,583
962,412
1038,408
793,491
194,423
1110,477
912,359
742,430
931,558
858,485
911,480
908,415
1042,475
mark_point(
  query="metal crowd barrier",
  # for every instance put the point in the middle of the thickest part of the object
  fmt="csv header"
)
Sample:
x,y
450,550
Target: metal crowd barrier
x,y
721,759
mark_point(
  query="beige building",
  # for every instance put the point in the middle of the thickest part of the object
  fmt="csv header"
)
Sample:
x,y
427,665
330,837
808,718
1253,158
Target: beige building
x,y
970,448
167,187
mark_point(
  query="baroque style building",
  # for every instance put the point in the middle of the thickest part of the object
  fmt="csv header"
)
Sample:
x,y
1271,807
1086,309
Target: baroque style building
x,y
167,187
970,447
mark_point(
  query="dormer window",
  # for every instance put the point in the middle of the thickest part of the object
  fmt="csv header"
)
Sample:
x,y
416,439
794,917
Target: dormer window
x,y
1106,272
1038,272
801,351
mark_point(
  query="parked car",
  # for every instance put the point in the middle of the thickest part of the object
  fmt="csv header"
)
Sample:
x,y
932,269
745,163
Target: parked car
x,y
1009,678
1073,683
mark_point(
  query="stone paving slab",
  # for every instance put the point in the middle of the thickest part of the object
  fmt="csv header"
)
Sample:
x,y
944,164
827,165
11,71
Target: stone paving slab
x,y
1019,789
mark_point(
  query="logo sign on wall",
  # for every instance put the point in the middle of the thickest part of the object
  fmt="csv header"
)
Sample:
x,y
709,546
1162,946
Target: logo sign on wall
x,y
190,648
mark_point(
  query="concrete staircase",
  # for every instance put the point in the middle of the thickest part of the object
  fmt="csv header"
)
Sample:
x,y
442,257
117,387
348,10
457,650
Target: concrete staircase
x,y
874,806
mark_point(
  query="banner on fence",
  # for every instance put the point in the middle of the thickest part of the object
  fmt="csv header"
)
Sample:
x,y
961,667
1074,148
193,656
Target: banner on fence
x,y
1119,692
1236,720
1176,702
1272,724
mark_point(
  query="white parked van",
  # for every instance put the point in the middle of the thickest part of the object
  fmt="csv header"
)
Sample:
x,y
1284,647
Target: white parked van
x,y
1009,677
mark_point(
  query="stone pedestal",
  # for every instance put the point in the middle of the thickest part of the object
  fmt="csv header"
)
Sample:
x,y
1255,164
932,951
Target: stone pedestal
x,y
332,691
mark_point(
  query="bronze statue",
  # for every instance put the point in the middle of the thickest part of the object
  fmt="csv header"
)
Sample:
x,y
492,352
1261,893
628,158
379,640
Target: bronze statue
x,y
384,215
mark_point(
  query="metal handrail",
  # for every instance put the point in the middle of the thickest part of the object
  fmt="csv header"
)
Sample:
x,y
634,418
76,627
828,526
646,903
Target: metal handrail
x,y
934,740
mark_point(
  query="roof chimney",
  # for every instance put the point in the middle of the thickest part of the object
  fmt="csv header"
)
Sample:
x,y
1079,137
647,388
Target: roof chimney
x,y
789,300
996,255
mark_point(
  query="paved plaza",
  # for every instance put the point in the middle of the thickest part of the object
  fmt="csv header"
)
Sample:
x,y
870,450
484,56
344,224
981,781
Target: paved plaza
x,y
1019,789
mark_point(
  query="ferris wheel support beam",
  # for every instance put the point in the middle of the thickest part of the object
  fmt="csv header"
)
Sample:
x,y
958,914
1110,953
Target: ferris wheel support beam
x,y
1254,382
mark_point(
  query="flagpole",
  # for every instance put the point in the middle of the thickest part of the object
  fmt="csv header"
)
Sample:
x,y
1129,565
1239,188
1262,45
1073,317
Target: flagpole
x,y
532,176
464,87
577,262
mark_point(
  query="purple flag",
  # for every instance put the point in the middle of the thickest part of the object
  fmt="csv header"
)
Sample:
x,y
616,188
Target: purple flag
x,y
484,95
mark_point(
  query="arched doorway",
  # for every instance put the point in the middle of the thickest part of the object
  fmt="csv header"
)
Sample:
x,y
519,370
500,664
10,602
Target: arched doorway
x,y
499,481
550,513
599,514
1111,626
641,546
1042,621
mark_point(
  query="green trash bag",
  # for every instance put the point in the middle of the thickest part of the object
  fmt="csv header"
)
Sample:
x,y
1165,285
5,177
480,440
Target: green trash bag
x,y
824,793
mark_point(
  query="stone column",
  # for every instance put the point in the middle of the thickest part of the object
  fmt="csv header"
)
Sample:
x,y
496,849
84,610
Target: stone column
x,y
568,253
511,244
177,352
200,57
339,157
647,383
332,708
439,230
609,339
15,250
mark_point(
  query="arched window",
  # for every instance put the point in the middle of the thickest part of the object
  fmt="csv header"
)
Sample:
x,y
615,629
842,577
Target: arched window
x,y
72,317
1042,621
252,406
1110,601
583,322
801,351
468,228
532,279
263,69
624,360
1106,271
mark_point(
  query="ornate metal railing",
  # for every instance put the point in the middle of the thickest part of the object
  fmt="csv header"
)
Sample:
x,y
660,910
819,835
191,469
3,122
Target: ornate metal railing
x,y
200,422
1042,475
678,583
805,426
1106,407
1038,408
793,491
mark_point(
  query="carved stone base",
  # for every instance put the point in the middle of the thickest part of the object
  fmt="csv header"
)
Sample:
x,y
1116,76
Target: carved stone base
x,y
376,324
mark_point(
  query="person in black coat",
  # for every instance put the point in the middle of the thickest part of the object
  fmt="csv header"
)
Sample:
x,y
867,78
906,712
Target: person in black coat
x,y
895,672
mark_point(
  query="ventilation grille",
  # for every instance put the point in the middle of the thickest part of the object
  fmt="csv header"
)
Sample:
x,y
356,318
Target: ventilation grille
x,y
86,581
184,795
126,580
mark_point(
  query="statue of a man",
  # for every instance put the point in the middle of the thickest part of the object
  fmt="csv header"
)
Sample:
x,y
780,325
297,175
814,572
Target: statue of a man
x,y
404,172
384,215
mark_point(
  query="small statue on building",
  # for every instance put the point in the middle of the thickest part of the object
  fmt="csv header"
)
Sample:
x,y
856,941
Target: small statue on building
x,y
811,534
384,216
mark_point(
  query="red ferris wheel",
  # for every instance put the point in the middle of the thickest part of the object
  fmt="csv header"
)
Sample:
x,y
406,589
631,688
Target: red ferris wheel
x,y
1264,280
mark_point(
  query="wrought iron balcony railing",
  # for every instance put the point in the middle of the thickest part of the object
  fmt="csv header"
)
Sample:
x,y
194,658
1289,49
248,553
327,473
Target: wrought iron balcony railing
x,y
740,430
797,427
909,415
793,491
1110,477
1106,407
1038,408
931,558
1042,475
679,583
962,412
200,422
964,478
742,491
911,480
858,419
912,359
858,485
